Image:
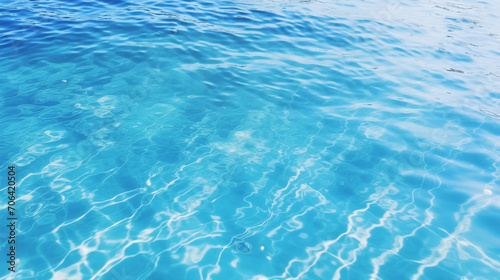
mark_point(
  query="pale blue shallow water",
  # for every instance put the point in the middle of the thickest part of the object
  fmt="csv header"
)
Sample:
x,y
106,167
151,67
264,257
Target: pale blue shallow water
x,y
252,140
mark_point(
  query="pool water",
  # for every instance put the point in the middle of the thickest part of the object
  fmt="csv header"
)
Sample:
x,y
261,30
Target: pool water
x,y
252,139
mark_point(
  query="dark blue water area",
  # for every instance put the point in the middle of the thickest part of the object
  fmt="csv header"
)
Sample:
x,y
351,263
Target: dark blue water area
x,y
251,140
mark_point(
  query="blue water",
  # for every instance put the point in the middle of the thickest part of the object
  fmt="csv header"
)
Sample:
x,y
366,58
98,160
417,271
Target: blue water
x,y
252,140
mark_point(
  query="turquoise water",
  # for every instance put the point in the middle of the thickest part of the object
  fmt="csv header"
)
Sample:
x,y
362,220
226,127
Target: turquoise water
x,y
252,140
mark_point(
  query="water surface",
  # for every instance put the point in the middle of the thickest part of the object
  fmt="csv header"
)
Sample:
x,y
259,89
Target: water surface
x,y
252,140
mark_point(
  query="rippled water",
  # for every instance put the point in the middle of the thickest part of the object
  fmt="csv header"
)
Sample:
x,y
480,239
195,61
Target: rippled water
x,y
252,140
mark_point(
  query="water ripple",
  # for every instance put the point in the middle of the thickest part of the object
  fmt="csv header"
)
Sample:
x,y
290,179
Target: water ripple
x,y
252,140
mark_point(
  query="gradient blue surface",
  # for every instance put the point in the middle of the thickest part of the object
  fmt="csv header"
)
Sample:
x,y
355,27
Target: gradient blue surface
x,y
252,140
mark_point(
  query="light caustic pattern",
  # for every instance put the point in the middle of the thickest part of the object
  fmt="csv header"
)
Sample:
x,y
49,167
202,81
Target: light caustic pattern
x,y
269,140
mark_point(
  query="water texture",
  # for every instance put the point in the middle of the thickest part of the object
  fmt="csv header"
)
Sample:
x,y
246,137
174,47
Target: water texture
x,y
252,139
